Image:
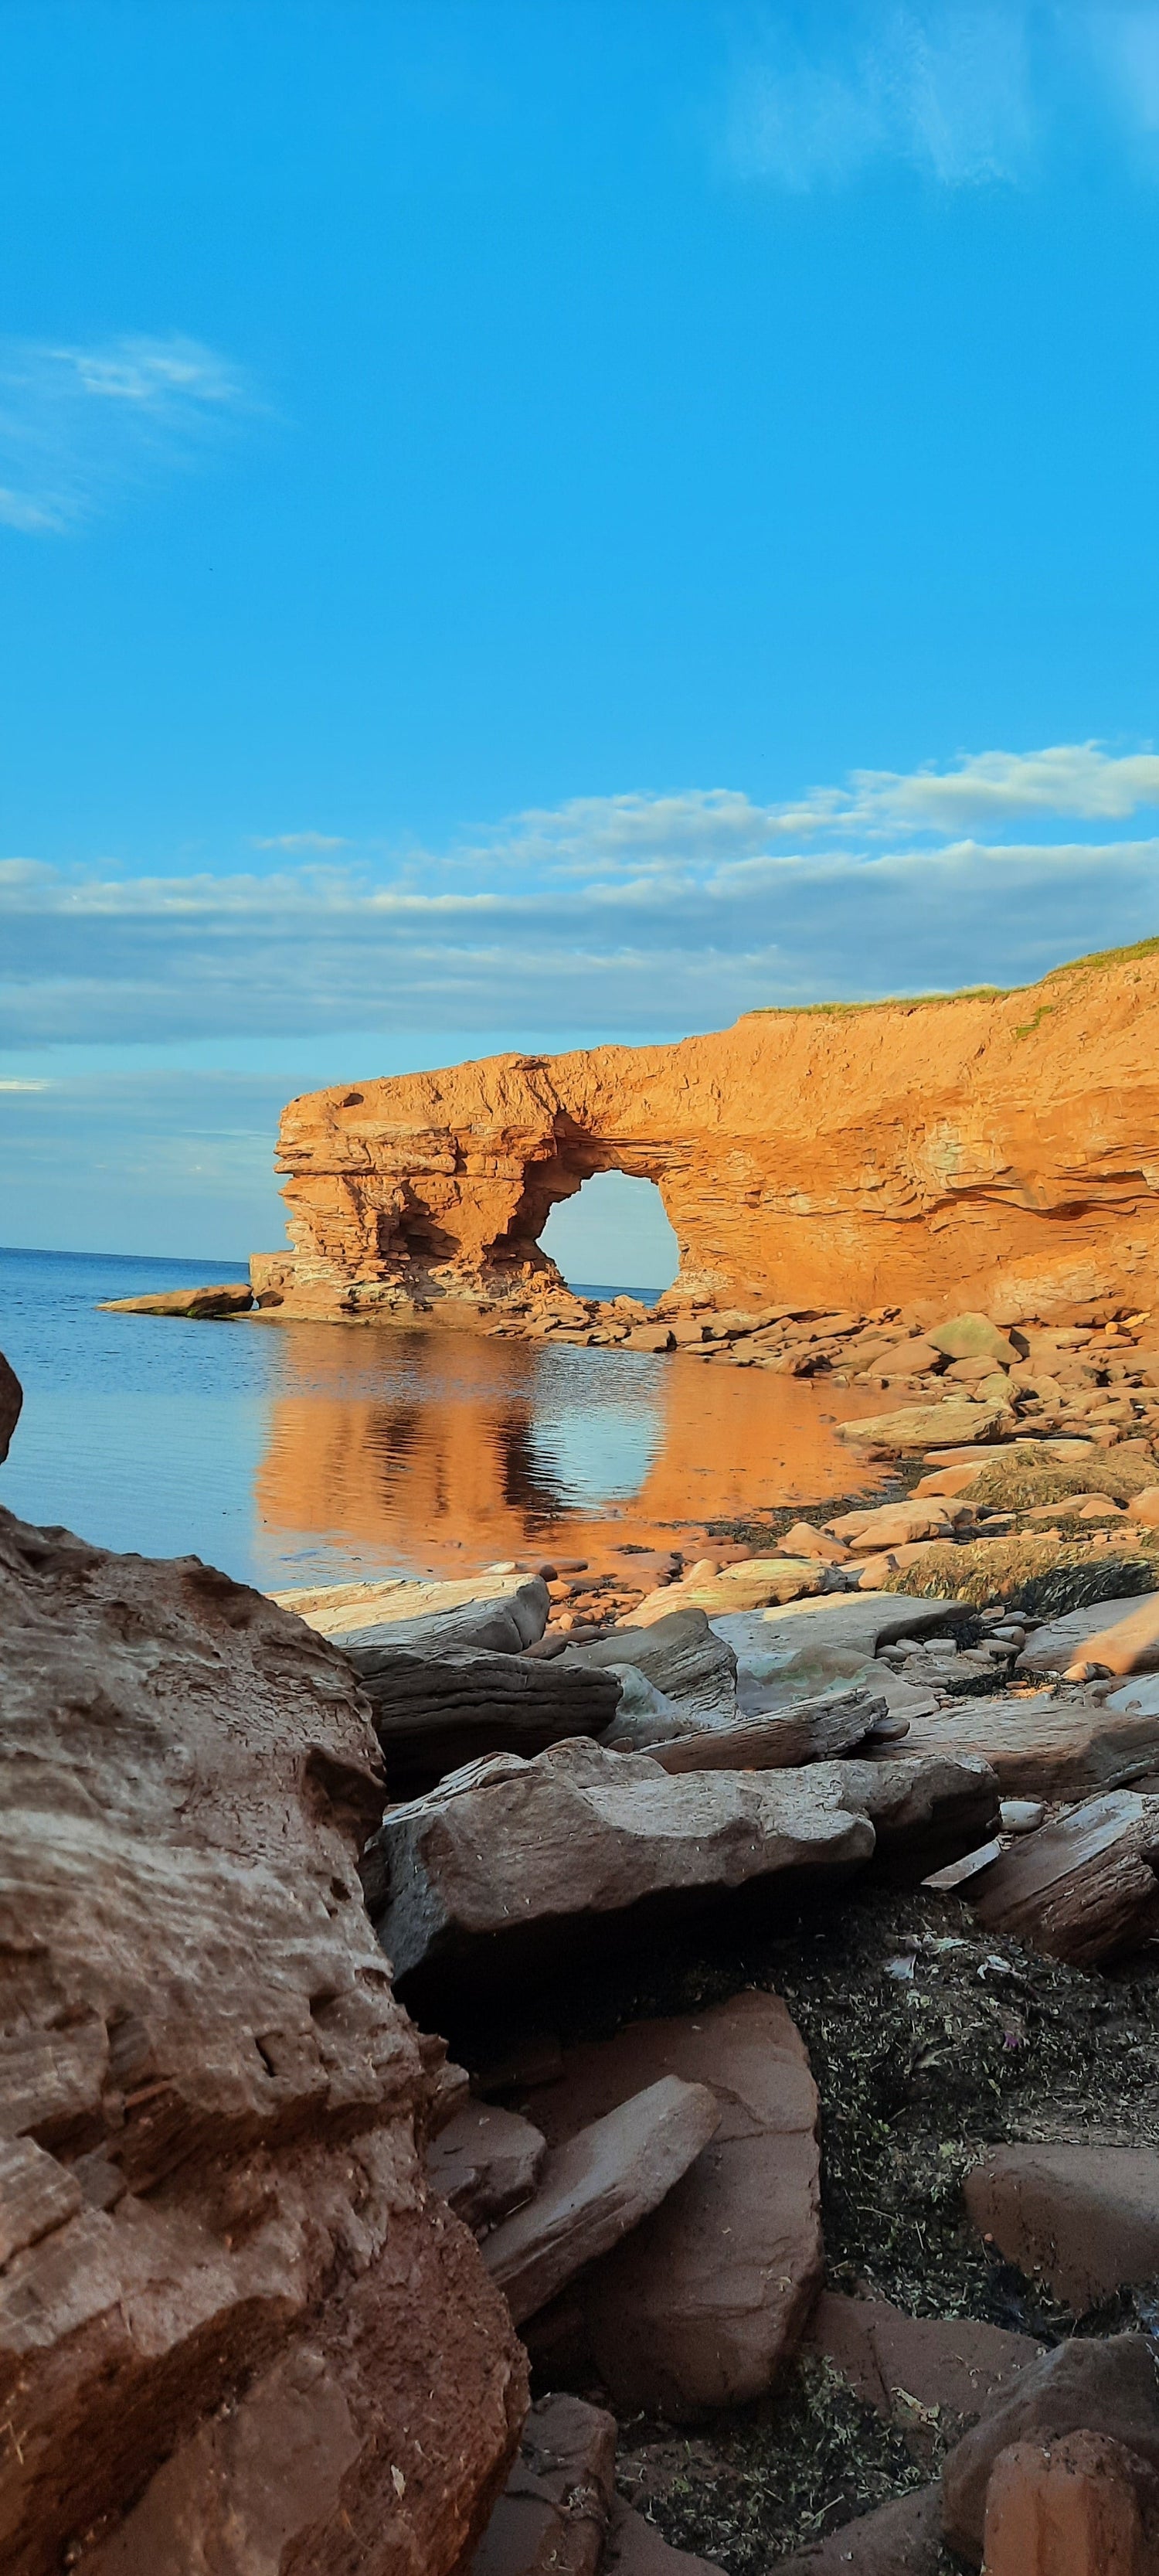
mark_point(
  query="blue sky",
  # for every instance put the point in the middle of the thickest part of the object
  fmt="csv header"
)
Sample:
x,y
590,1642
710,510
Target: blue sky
x,y
524,523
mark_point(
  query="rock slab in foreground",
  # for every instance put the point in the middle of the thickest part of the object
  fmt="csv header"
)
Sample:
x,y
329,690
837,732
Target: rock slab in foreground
x,y
596,2187
702,2304
1049,1748
1109,2387
501,1865
1086,2218
235,2310
434,1712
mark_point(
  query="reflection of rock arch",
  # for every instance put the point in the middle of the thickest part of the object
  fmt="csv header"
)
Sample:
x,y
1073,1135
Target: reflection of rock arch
x,y
983,1144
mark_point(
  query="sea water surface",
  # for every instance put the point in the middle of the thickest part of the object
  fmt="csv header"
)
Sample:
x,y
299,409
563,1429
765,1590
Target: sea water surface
x,y
312,1453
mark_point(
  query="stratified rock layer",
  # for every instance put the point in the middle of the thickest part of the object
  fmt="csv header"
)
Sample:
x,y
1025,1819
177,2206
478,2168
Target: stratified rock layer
x,y
235,2331
997,1149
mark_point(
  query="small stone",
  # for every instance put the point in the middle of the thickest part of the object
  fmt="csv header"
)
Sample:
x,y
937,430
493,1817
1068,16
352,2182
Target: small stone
x,y
1021,1815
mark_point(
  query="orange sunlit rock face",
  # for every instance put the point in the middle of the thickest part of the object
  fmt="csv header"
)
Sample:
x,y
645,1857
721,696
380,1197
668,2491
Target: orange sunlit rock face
x,y
1000,1152
469,1450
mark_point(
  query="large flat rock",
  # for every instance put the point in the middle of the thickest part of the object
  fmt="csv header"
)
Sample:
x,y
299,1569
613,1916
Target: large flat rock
x,y
206,2090
702,2305
497,1869
596,2187
854,1622
499,1612
956,2364
1044,1747
680,1654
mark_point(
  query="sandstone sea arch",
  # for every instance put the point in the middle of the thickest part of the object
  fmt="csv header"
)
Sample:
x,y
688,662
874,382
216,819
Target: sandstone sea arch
x,y
1000,1144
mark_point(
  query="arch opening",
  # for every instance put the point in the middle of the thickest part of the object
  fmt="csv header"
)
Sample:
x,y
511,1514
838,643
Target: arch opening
x,y
613,1235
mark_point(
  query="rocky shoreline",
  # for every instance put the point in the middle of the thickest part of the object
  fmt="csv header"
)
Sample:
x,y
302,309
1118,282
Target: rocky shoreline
x,y
717,1991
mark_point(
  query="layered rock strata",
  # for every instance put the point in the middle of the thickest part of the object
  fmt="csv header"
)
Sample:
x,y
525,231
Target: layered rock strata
x,y
235,2329
1002,1145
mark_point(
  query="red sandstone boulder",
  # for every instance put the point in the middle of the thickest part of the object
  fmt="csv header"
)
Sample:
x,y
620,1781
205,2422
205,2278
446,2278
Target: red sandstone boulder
x,y
596,2187
235,2331
1087,2507
11,1399
956,2364
701,2305
1086,2218
900,2539
636,2548
1110,2387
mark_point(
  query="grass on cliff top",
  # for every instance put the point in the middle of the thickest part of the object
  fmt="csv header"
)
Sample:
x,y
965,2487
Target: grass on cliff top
x,y
1098,957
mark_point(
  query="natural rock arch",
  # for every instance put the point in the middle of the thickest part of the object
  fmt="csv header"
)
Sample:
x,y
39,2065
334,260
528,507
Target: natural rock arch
x,y
1007,1144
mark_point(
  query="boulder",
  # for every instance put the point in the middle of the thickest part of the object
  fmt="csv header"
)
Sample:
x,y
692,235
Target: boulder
x,y
948,1425
485,2162
434,1711
804,1540
1144,1507
231,1297
781,1740
497,1869
900,2539
1109,2386
894,1525
973,1337
11,1399
754,1583
636,2548
1081,1889
238,2331
1135,1699
954,2365
552,2517
1063,1642
1044,1747
1085,2507
1127,1645
498,1613
680,1655
1086,2218
706,2301
597,2186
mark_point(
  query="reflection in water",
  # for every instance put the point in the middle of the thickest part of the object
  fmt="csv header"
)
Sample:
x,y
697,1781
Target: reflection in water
x,y
436,1449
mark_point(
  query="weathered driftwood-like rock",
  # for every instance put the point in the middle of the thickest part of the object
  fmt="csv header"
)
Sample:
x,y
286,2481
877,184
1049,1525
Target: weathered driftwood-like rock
x,y
552,2517
11,1399
433,1712
1082,1889
598,2186
784,1740
495,1869
228,2304
1109,2387
702,2305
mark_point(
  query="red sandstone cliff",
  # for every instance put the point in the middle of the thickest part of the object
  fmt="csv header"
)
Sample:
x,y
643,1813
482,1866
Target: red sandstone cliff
x,y
1004,1145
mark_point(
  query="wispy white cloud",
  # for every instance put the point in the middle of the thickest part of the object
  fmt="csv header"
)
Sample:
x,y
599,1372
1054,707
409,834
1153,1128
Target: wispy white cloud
x,y
965,92
79,424
301,844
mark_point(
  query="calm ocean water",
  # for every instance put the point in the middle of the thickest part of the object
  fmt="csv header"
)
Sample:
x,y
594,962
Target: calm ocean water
x,y
304,1453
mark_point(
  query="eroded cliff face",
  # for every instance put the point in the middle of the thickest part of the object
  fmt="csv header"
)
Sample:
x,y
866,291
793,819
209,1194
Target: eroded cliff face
x,y
236,2330
1007,1147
